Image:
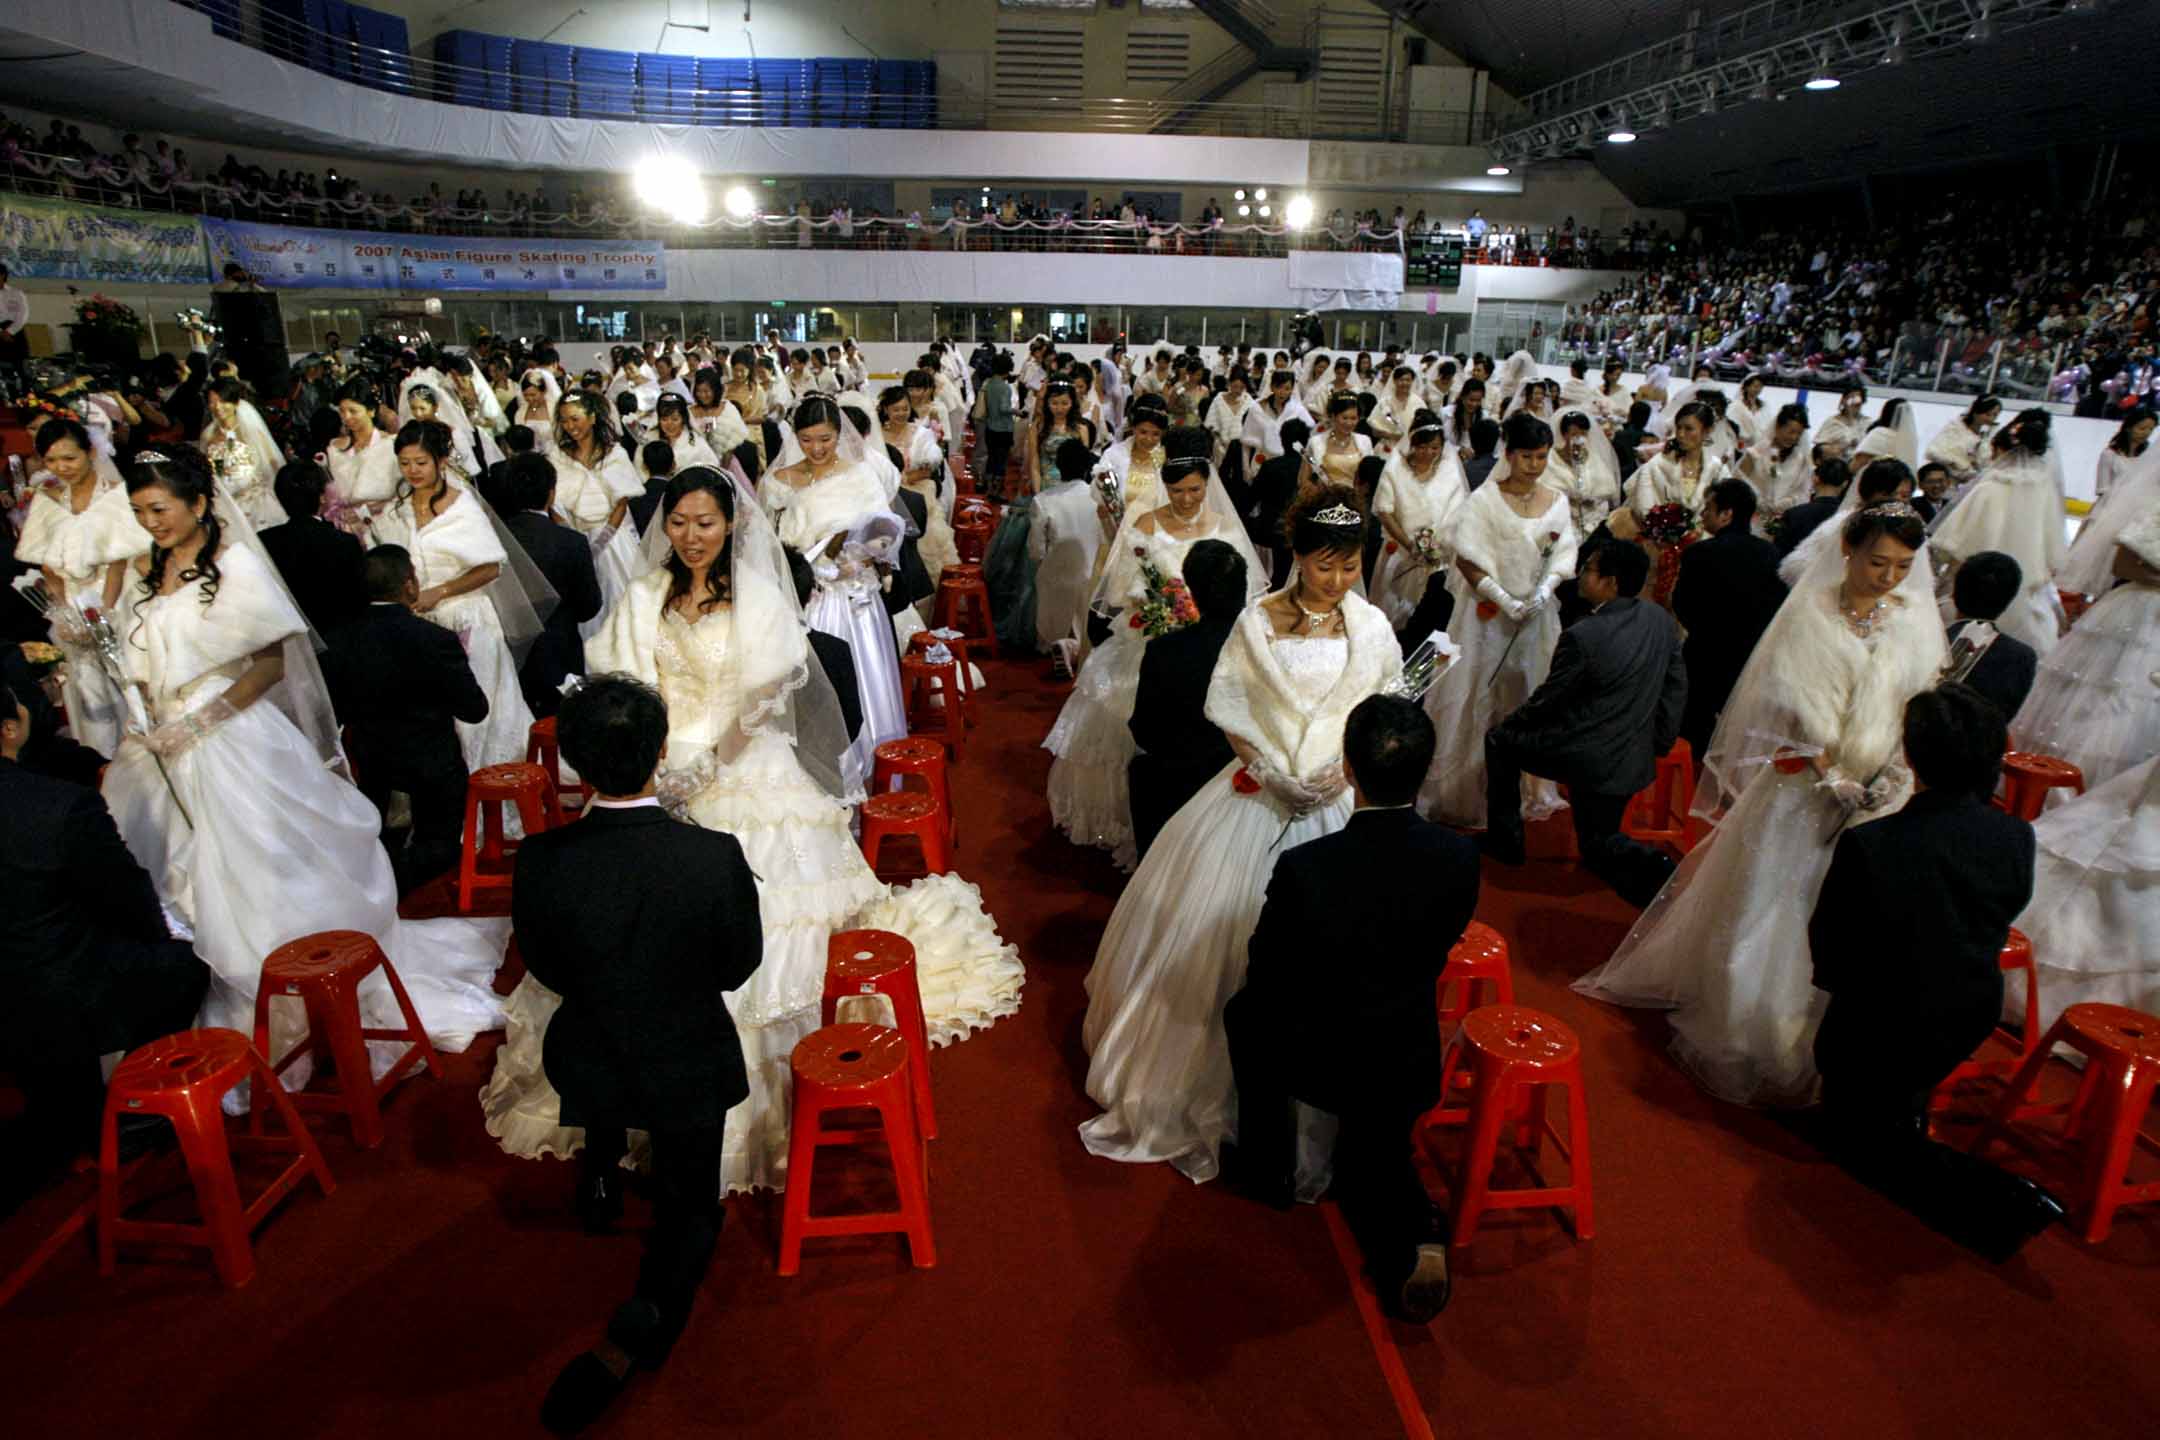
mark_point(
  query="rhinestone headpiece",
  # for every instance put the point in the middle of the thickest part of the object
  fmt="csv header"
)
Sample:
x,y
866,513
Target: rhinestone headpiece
x,y
1893,510
152,457
1338,515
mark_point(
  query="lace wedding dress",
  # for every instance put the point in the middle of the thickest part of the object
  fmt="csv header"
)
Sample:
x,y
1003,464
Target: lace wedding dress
x,y
78,548
2094,920
2093,702
1175,949
811,880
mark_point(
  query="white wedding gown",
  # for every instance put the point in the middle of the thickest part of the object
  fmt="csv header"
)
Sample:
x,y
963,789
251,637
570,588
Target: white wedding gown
x,y
2093,701
849,600
1175,949
265,844
1090,801
2016,507
78,548
584,497
811,881
1417,503
2094,920
459,538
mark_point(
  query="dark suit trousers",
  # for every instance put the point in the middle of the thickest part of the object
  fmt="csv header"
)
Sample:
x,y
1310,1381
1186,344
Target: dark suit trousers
x,y
162,989
438,814
687,1215
1432,613
1879,1065
998,445
1159,790
1634,870
1376,1181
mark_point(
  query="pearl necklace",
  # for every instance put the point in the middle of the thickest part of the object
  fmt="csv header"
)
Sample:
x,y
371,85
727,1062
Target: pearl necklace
x,y
1862,625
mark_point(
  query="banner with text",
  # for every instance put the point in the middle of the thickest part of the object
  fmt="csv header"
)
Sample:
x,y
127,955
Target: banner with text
x,y
289,257
60,240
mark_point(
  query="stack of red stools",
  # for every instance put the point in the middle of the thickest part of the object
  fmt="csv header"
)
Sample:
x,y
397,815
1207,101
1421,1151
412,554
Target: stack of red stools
x,y
923,641
485,857
1517,1055
2017,954
924,758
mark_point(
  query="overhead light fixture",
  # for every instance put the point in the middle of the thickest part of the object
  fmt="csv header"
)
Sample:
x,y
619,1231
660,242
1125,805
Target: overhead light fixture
x,y
672,185
1260,194
1895,55
1821,78
1761,90
1710,99
1298,213
1574,128
1620,134
1244,210
1237,194
1983,29
1266,210
739,202
1496,169
2081,7
1662,116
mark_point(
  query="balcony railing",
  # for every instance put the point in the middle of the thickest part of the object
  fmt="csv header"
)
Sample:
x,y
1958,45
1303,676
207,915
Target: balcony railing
x,y
622,98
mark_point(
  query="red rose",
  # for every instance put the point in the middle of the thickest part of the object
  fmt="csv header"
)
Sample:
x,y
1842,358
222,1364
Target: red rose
x,y
1486,610
1136,622
1789,764
1243,783
1390,547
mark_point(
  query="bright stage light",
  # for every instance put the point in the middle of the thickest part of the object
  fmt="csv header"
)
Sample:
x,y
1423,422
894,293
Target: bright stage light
x,y
1496,169
739,202
1260,194
671,184
1266,210
1237,194
1298,213
1243,211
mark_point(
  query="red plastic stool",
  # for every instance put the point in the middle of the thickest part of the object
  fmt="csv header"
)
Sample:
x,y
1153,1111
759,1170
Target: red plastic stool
x,y
1479,959
484,857
963,604
2122,1063
906,812
919,644
878,962
326,972
922,680
850,1067
2028,776
184,1078
541,750
1517,1054
917,755
1659,815
2017,954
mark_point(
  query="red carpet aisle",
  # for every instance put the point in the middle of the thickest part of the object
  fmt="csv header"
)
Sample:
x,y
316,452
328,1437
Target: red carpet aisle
x,y
1738,1282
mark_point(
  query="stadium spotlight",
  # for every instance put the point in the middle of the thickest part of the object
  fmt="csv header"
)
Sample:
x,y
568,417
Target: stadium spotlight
x,y
1260,194
740,204
1983,29
671,184
1298,213
1243,211
1620,134
1266,210
1496,169
1237,194
1820,77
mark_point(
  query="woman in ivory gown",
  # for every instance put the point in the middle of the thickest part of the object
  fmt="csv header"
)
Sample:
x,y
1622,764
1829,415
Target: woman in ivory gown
x,y
1089,801
234,802
362,461
831,508
1778,466
1893,436
2130,463
1961,445
466,586
1332,456
1396,409
1680,474
754,744
1514,543
1226,422
1808,744
922,466
427,394
714,417
78,526
2016,507
1418,495
539,396
672,427
1585,468
1296,664
2093,702
1749,416
1840,435
594,485
244,460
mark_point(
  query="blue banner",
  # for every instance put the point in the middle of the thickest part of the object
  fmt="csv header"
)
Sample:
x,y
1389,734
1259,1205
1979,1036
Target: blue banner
x,y
289,257
60,240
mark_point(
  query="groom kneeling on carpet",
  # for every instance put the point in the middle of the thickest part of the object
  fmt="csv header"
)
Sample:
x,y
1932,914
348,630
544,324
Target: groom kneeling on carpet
x,y
643,1039
1338,1005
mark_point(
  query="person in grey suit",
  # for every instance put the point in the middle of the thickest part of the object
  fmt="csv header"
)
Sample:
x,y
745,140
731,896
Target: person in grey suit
x,y
1609,707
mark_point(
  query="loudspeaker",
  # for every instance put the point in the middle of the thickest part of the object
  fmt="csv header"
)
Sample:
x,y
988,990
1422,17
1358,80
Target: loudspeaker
x,y
252,328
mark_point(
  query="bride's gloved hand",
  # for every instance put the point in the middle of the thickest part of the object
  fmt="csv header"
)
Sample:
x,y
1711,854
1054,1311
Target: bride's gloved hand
x,y
1289,791
176,736
673,788
1330,783
1492,590
1848,792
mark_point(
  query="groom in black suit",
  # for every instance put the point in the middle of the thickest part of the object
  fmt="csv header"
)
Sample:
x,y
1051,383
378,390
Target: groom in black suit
x,y
1727,593
606,918
1338,1005
1609,707
1180,748
1907,934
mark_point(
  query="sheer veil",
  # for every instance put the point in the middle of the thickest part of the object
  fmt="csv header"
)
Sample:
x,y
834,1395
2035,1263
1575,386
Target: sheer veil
x,y
1598,477
2089,568
1898,440
1121,573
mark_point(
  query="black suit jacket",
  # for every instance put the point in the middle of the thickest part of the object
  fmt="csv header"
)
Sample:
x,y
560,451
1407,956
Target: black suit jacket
x,y
321,566
643,507
184,407
1274,486
2005,673
1726,595
78,912
1801,522
1169,715
837,658
565,561
911,579
1910,924
608,917
398,682
1354,980
1611,703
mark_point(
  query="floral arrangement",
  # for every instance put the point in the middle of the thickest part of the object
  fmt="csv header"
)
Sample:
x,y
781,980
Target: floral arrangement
x,y
1668,524
43,658
1427,546
101,315
1167,604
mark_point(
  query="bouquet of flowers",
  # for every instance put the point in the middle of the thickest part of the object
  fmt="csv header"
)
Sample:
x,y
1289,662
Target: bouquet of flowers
x,y
42,657
1166,606
1427,546
1668,524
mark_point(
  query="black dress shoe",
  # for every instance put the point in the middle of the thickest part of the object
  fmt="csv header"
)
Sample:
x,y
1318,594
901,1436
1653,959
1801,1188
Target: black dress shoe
x,y
599,1202
2042,1208
1428,1289
1500,848
1277,1192
581,1394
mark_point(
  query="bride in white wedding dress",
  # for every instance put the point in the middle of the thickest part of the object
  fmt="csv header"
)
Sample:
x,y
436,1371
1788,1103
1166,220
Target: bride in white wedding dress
x,y
231,802
754,748
1089,800
1808,744
1295,666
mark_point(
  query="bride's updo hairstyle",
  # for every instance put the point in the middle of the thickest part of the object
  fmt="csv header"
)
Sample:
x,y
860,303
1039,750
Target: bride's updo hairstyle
x,y
2030,431
184,474
818,410
1893,518
1702,414
1186,451
718,577
1309,534
431,438
888,397
1524,431
1147,410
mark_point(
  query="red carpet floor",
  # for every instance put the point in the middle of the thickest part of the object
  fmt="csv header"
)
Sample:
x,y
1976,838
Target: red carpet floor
x,y
1737,1284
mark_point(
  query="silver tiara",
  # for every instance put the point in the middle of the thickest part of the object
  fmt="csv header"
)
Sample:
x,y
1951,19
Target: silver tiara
x,y
1893,510
152,457
1338,515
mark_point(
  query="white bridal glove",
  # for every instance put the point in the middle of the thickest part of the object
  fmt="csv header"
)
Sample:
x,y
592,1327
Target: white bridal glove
x,y
179,735
1853,794
1491,589
1293,794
